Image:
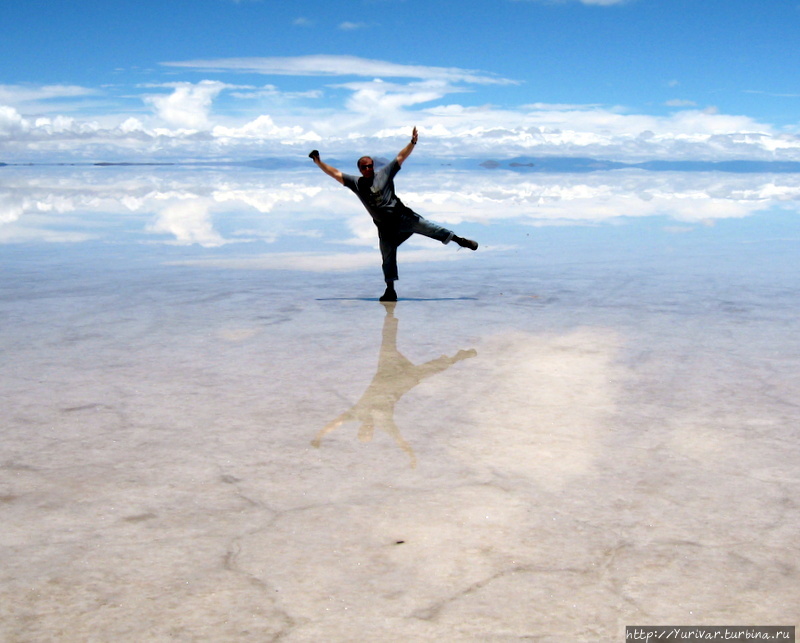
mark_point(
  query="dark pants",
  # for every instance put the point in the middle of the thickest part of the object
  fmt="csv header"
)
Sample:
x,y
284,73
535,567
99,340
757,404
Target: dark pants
x,y
392,235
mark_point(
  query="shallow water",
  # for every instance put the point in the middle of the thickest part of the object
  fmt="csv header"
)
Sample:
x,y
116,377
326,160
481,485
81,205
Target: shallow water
x,y
213,430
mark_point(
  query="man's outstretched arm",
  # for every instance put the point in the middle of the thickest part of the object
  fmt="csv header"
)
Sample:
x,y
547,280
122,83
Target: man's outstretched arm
x,y
404,153
328,169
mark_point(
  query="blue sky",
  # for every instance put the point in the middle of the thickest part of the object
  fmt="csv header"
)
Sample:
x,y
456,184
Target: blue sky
x,y
620,79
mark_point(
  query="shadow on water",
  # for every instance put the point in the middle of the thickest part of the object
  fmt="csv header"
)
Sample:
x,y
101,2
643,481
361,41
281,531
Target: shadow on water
x,y
395,377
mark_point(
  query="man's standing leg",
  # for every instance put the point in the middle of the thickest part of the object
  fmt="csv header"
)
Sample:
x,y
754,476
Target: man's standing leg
x,y
388,247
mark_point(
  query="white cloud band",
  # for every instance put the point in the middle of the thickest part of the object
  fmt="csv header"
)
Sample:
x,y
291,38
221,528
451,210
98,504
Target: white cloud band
x,y
339,66
213,118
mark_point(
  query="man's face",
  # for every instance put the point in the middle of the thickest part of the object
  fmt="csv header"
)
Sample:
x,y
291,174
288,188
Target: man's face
x,y
367,167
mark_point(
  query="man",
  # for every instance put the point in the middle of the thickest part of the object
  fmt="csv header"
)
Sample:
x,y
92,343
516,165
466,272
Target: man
x,y
395,221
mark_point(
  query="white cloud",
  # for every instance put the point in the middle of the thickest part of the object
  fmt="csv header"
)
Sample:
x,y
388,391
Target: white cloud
x,y
184,125
339,66
377,115
773,94
21,95
604,3
263,128
11,122
352,26
377,96
188,105
271,92
599,3
375,110
559,107
679,102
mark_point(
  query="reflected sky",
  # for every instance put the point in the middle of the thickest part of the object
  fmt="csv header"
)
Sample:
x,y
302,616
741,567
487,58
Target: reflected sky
x,y
300,220
686,228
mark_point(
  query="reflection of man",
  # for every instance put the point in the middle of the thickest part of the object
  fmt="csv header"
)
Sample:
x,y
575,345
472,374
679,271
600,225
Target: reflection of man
x,y
395,221
395,377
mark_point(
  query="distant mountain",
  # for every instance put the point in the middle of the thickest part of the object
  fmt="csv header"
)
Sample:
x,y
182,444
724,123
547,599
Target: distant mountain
x,y
720,166
348,166
579,164
523,164
126,164
270,163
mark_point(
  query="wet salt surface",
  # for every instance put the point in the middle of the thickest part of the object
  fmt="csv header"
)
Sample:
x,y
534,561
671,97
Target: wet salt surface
x,y
572,430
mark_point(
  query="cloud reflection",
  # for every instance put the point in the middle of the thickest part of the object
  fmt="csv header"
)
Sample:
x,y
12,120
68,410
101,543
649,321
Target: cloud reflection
x,y
216,208
549,400
189,222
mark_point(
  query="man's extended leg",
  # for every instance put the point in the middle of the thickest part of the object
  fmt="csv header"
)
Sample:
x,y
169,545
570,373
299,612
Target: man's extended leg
x,y
427,228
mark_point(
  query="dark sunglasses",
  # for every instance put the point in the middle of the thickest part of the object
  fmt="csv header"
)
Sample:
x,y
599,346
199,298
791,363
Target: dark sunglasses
x,y
367,167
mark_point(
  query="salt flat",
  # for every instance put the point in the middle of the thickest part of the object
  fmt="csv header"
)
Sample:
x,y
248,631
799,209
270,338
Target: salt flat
x,y
214,431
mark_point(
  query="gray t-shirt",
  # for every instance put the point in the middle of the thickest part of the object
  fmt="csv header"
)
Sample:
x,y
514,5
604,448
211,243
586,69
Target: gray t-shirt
x,y
377,194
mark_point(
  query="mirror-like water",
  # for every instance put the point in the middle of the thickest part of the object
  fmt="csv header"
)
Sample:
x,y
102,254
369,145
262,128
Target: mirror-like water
x,y
212,429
